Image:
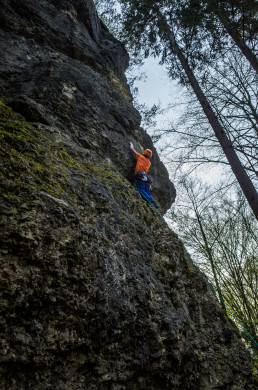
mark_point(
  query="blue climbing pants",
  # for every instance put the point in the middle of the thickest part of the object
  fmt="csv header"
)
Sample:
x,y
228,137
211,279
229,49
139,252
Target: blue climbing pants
x,y
144,190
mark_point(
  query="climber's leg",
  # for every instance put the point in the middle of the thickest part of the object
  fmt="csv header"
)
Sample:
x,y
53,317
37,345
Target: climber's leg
x,y
144,190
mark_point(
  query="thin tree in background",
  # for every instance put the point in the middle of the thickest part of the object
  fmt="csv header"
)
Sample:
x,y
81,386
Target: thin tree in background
x,y
221,235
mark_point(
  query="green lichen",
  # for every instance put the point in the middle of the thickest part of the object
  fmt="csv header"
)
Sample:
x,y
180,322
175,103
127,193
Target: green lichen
x,y
29,157
119,86
5,111
67,159
36,161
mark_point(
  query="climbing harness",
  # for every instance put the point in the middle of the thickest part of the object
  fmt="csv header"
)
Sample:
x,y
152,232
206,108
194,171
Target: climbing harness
x,y
206,280
141,175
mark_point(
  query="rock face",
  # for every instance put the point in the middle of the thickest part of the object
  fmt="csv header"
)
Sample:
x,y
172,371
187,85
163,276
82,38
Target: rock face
x,y
97,293
62,68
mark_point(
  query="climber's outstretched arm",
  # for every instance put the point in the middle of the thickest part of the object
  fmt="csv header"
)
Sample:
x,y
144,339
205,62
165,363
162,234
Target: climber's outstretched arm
x,y
132,148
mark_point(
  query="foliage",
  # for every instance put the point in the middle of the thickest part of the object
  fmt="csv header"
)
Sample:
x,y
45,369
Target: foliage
x,y
241,14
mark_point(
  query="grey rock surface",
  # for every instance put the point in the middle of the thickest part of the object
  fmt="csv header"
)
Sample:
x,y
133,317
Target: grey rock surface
x,y
61,67
96,292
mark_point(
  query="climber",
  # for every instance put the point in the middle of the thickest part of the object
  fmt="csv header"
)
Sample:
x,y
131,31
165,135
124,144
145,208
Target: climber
x,y
143,182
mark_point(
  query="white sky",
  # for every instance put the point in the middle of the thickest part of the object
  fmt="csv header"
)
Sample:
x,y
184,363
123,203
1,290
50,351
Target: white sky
x,y
157,87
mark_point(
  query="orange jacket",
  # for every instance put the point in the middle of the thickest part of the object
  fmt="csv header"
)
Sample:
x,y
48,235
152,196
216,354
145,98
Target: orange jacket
x,y
143,164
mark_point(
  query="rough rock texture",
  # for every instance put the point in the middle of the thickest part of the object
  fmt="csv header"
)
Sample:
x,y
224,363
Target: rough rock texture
x,y
61,67
97,293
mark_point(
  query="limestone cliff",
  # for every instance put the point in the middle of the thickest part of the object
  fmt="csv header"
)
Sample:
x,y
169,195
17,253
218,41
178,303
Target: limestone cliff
x,y
96,291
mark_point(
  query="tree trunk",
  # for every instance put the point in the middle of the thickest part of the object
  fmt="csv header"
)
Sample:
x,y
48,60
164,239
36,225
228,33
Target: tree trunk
x,y
227,147
249,55
210,257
